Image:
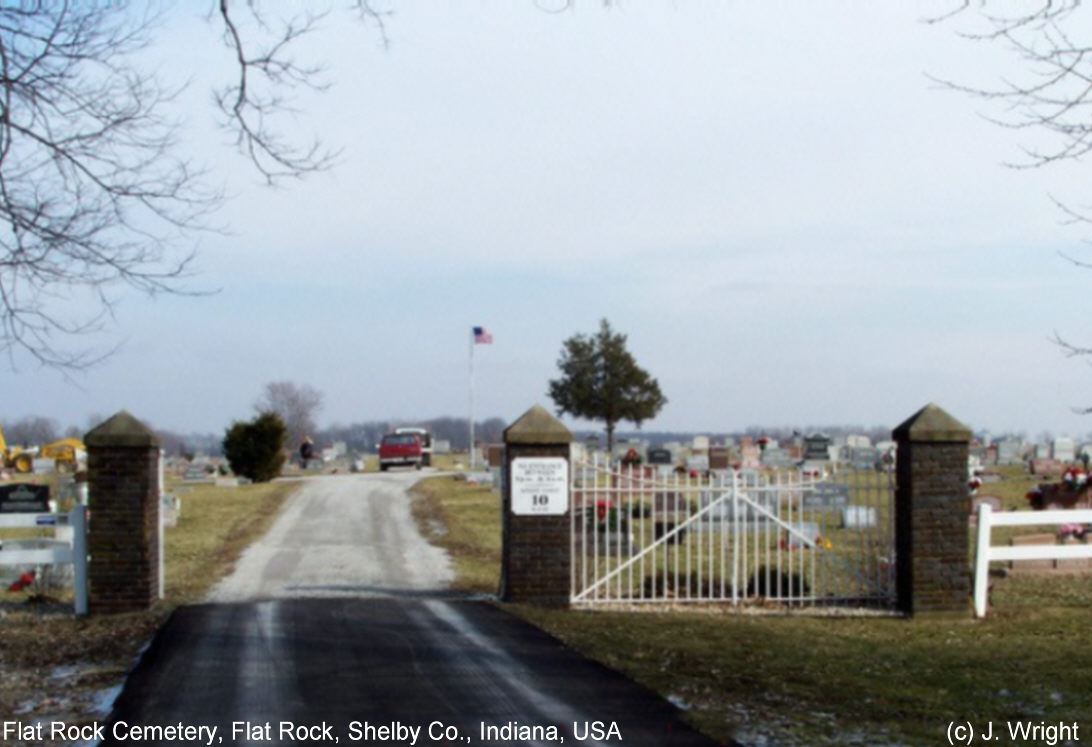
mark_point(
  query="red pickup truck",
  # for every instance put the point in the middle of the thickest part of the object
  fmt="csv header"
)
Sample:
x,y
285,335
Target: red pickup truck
x,y
399,449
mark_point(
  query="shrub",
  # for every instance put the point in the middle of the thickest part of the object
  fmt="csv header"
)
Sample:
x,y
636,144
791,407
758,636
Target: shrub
x,y
256,449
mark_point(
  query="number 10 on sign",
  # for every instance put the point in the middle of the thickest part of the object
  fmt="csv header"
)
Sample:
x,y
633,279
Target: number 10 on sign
x,y
540,485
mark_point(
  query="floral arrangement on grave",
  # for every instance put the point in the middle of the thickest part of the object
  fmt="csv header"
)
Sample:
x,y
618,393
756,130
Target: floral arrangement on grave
x,y
1074,487
631,459
1074,478
787,542
607,516
1076,531
974,484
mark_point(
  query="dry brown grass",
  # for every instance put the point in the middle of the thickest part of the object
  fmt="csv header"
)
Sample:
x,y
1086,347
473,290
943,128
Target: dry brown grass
x,y
56,666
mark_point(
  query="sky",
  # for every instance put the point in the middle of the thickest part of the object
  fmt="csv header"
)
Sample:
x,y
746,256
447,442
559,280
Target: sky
x,y
790,220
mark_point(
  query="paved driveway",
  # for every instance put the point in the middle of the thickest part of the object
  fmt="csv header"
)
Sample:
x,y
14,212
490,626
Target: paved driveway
x,y
336,629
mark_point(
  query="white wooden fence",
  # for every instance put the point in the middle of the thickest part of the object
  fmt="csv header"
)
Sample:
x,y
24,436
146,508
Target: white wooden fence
x,y
985,552
70,546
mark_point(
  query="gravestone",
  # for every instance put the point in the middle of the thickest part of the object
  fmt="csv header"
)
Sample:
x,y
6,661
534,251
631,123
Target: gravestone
x,y
170,509
801,535
1063,449
583,476
697,463
858,517
1033,566
24,498
826,496
719,458
857,441
1008,452
863,457
775,456
659,456
815,447
755,515
479,478
750,457
196,472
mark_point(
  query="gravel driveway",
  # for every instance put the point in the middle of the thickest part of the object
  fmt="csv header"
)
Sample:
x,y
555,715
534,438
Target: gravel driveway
x,y
338,536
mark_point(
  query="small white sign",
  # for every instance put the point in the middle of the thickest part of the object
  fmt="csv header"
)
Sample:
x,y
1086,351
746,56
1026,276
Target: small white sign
x,y
540,486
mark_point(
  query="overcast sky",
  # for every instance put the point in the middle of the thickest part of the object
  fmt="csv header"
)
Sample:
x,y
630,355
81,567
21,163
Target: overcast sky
x,y
790,221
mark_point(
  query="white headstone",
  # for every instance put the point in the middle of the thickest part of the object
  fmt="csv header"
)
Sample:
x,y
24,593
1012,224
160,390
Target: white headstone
x,y
1063,449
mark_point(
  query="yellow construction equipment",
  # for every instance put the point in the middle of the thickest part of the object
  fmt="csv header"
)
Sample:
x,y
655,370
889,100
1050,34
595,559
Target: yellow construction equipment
x,y
64,453
15,457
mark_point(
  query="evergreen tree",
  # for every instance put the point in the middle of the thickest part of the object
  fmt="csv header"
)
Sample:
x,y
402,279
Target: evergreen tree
x,y
256,449
600,380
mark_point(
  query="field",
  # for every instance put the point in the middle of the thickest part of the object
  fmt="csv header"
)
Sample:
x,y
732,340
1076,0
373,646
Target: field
x,y
793,678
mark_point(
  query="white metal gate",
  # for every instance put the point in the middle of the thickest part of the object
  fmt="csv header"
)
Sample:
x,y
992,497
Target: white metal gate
x,y
648,534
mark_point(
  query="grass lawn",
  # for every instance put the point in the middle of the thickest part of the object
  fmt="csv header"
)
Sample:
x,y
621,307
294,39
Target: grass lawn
x,y
809,679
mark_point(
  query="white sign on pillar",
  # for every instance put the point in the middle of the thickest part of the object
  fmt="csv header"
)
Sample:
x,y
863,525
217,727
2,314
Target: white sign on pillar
x,y
540,486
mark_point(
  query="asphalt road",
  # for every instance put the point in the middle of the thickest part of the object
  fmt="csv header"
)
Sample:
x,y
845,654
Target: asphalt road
x,y
374,652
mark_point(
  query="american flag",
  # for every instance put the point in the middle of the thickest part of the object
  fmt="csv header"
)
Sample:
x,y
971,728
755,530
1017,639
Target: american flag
x,y
482,336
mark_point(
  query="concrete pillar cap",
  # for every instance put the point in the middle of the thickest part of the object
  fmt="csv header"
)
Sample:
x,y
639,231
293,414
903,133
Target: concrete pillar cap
x,y
122,429
931,423
537,426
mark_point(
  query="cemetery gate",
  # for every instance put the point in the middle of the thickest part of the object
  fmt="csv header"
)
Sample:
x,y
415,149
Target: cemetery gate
x,y
650,534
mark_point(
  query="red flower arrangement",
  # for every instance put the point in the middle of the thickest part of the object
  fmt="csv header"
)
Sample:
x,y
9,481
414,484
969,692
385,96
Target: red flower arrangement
x,y
1074,478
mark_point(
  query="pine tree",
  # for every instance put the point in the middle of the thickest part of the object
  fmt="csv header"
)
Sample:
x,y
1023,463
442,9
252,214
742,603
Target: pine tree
x,y
600,380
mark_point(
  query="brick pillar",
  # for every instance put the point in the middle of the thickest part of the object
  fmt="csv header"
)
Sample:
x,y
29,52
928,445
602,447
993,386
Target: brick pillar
x,y
123,494
932,510
536,555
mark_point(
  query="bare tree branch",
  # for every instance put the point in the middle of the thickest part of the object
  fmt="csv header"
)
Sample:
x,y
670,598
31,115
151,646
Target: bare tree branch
x,y
1055,96
255,104
92,195
1053,40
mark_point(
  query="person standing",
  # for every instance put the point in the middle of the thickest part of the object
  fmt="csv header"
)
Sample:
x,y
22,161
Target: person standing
x,y
307,451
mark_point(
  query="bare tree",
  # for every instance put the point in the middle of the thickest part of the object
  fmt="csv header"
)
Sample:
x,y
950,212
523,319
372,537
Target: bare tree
x,y
92,194
32,430
1053,98
266,74
296,404
95,197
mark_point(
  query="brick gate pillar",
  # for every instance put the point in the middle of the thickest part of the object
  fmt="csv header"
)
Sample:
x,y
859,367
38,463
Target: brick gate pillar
x,y
932,510
536,555
123,496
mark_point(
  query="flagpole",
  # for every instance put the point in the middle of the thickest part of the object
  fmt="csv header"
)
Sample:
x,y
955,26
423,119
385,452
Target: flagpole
x,y
471,449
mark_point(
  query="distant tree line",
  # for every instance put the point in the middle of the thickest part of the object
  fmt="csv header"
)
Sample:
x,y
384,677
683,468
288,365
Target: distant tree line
x,y
364,436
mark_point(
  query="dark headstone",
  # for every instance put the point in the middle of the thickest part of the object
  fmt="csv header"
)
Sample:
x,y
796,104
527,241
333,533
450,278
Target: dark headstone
x,y
659,456
817,447
24,499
